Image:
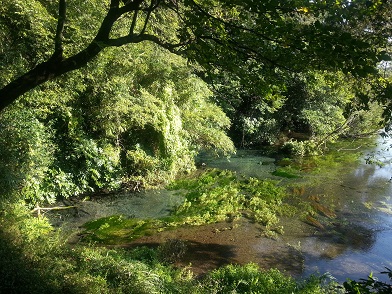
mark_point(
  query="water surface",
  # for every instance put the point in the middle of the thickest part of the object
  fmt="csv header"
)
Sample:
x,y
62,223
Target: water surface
x,y
351,245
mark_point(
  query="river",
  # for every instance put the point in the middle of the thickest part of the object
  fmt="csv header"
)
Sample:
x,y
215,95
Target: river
x,y
355,243
361,241
351,245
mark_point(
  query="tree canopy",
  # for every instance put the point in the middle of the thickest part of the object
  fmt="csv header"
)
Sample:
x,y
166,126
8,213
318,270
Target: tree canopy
x,y
234,36
99,94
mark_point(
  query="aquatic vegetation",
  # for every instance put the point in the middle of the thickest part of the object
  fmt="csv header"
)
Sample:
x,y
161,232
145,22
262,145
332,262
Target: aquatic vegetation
x,y
172,250
219,195
287,172
212,196
323,210
335,156
119,230
45,264
314,222
338,154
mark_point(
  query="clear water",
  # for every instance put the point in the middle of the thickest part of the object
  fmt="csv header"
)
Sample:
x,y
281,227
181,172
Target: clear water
x,y
357,242
362,198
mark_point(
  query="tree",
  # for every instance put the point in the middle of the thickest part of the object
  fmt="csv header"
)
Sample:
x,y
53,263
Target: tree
x,y
136,115
224,35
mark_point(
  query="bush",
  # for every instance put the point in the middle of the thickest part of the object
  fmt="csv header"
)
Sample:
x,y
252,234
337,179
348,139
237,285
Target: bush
x,y
250,279
26,154
301,148
369,285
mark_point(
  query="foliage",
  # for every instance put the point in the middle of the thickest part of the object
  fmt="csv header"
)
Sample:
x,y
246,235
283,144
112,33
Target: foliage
x,y
28,21
335,157
320,102
369,285
26,152
300,148
137,115
319,106
246,39
250,279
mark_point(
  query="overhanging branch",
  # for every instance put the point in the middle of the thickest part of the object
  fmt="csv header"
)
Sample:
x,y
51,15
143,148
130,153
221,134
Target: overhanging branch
x,y
137,38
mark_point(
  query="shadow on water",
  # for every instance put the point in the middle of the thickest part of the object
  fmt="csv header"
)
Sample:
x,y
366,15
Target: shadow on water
x,y
208,256
348,237
201,257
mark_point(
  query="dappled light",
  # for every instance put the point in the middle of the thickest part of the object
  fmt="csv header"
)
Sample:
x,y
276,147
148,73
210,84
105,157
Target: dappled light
x,y
195,146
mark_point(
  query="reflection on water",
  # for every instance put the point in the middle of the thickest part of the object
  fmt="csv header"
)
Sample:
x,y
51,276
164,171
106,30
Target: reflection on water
x,y
360,241
145,204
352,245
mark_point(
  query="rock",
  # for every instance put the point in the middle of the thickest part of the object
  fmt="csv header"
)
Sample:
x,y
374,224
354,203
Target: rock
x,y
313,222
323,210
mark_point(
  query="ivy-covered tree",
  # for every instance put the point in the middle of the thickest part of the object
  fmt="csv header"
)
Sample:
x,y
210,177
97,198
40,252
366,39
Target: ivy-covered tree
x,y
134,115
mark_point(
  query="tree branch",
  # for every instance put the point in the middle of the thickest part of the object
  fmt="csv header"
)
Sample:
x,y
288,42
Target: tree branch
x,y
39,209
58,40
149,11
134,20
131,6
57,66
114,3
242,28
137,38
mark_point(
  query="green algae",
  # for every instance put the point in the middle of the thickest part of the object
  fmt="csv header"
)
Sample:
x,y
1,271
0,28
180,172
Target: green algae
x,y
118,230
209,197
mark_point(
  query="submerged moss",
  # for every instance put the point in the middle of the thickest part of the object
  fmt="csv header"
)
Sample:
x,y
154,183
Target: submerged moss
x,y
286,172
212,196
118,230
215,195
